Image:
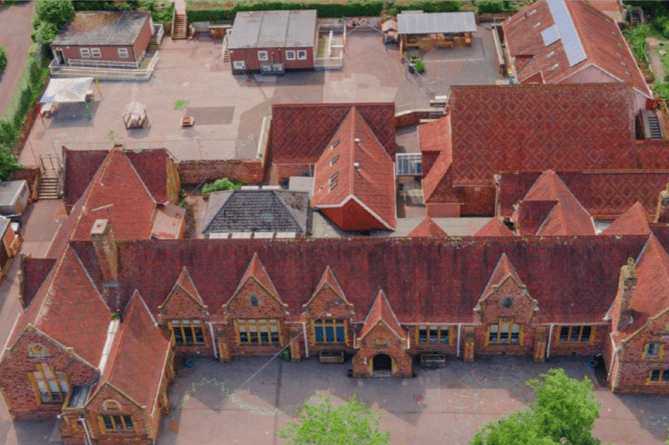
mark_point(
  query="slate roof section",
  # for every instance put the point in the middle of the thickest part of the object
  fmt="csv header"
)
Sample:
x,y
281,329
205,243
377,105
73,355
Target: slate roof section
x,y
300,133
355,166
257,211
274,29
603,43
633,222
427,228
605,194
425,279
522,128
96,28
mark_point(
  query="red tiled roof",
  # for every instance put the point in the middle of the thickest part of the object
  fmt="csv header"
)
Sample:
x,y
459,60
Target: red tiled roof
x,y
427,228
552,210
503,270
633,222
653,154
258,271
186,282
35,271
603,43
138,357
520,128
494,227
361,169
118,194
425,279
329,279
605,194
300,133
151,166
435,137
381,312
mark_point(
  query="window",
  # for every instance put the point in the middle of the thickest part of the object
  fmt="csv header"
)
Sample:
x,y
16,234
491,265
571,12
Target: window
x,y
123,53
506,332
329,331
258,332
187,332
433,334
51,386
95,52
653,350
302,55
290,55
334,176
659,375
333,185
117,423
85,52
262,56
575,334
334,160
239,64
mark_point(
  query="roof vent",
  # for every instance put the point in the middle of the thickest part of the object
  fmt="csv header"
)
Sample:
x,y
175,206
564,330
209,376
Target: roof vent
x,y
356,164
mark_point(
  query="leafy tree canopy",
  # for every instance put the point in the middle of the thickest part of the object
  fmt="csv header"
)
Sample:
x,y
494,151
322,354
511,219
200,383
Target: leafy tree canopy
x,y
57,12
8,163
326,424
565,412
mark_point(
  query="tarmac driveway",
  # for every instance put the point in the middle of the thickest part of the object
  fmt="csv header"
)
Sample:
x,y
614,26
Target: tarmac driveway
x,y
15,37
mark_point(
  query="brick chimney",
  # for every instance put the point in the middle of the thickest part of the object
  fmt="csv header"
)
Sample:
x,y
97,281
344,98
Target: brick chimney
x,y
105,250
626,288
662,215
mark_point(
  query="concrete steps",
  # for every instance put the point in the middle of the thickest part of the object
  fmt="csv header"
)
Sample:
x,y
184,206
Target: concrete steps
x,y
48,188
179,26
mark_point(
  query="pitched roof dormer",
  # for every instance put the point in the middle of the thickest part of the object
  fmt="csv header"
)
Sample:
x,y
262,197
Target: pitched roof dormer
x,y
428,228
633,222
328,280
257,273
382,313
184,286
494,227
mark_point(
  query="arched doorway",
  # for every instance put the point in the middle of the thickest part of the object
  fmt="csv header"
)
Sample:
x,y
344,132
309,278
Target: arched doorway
x,y
382,362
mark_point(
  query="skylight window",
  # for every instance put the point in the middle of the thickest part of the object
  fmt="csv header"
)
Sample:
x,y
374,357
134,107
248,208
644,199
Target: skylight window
x,y
550,54
333,177
553,67
333,185
334,160
334,144
536,25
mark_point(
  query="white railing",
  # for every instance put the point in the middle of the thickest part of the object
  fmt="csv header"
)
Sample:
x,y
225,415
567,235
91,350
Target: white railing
x,y
105,73
224,47
329,62
90,63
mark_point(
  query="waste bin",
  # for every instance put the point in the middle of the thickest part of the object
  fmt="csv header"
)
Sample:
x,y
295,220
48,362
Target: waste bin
x,y
286,355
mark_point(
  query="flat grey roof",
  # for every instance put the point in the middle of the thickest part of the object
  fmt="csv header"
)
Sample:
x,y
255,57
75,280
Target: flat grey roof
x,y
9,192
274,29
102,28
436,22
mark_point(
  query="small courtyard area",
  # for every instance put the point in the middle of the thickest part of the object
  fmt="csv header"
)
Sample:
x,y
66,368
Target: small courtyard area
x,y
248,400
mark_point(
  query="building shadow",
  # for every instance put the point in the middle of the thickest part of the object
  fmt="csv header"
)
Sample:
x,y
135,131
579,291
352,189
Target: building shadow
x,y
651,410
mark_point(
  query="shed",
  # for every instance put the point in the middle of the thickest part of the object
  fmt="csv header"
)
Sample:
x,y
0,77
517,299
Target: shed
x,y
272,42
13,197
439,29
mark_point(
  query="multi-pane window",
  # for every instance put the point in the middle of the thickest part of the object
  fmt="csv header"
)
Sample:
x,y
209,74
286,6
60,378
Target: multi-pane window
x,y
659,375
258,332
52,386
290,55
85,52
123,53
239,64
95,52
506,332
329,331
653,349
187,332
262,56
302,55
433,334
117,423
575,334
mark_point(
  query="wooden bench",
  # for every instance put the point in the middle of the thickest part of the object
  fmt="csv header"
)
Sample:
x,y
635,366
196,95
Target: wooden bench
x,y
331,357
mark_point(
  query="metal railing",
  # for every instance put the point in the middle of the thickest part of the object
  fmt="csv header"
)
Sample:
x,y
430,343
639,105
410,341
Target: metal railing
x,y
89,63
103,73
329,63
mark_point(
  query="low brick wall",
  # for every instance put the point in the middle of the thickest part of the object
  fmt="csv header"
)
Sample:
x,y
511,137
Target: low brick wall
x,y
412,117
246,171
30,175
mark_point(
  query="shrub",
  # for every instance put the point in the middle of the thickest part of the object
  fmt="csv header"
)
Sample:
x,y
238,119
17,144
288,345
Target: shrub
x,y
662,90
420,66
3,58
221,184
426,6
637,39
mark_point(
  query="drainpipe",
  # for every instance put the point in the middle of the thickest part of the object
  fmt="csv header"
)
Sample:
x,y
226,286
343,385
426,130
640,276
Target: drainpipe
x,y
306,343
213,340
87,433
550,339
457,354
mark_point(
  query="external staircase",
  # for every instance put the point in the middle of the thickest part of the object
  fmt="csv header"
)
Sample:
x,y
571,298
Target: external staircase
x,y
179,25
50,169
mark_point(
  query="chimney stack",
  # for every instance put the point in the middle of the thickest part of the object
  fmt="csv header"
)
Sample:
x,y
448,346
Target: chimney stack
x,y
626,288
662,215
106,251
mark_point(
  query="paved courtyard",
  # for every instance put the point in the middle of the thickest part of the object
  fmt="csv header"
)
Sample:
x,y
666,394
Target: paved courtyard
x,y
229,109
249,399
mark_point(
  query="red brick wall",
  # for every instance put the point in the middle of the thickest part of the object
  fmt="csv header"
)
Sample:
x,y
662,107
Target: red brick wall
x,y
246,171
109,53
22,401
596,345
285,171
352,216
394,347
180,306
250,56
173,183
412,118
323,306
446,348
143,39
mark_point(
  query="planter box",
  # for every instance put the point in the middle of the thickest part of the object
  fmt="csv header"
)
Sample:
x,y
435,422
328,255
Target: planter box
x,y
331,357
432,360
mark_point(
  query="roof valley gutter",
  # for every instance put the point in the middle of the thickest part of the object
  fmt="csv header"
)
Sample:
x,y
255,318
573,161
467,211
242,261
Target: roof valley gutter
x,y
213,340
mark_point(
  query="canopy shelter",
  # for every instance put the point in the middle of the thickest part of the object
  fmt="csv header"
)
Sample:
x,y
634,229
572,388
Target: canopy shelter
x,y
440,29
135,116
62,91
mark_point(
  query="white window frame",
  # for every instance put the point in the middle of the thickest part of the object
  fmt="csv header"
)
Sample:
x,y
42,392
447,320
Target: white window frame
x,y
122,51
239,64
96,53
263,56
85,53
290,54
301,54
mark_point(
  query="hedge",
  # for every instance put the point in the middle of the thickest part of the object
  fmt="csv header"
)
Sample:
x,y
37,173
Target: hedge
x,y
163,16
426,6
3,58
494,7
370,8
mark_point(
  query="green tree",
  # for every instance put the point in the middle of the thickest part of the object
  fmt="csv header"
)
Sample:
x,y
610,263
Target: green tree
x,y
57,12
565,412
8,162
3,58
326,424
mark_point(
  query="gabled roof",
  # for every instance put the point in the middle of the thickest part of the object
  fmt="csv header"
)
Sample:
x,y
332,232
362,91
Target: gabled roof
x,y
257,211
185,283
633,222
495,227
328,279
550,209
427,228
520,128
382,312
436,137
605,194
257,271
138,357
503,270
300,133
602,43
355,166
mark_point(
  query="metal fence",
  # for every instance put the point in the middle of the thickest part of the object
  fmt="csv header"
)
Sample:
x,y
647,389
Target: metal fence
x,y
103,73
